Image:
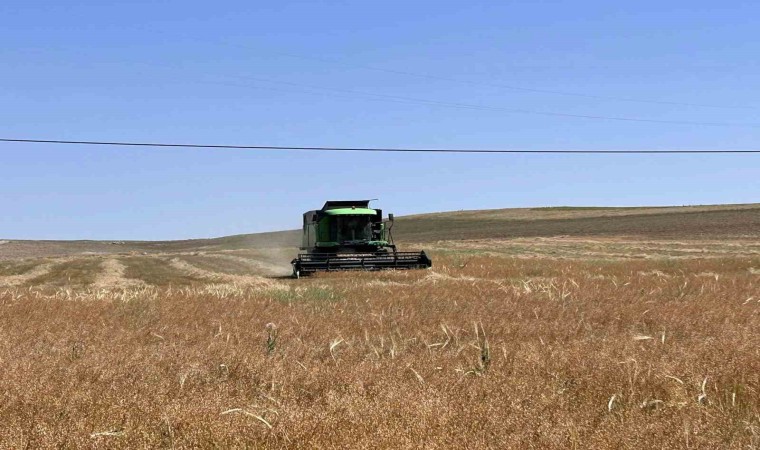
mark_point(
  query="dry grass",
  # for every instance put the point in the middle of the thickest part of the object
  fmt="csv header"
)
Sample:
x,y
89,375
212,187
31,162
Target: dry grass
x,y
16,268
482,351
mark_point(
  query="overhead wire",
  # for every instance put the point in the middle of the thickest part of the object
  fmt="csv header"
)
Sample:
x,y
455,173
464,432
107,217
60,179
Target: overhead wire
x,y
510,87
471,82
472,106
359,149
454,105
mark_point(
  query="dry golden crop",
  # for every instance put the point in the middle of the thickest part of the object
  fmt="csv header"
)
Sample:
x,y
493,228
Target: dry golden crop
x,y
480,352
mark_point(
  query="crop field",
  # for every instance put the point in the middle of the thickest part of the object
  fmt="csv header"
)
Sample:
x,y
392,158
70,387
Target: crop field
x,y
614,338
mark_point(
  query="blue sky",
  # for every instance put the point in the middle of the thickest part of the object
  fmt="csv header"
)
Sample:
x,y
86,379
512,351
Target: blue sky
x,y
296,73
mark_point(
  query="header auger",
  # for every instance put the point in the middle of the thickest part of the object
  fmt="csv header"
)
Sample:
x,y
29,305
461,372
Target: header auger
x,y
349,235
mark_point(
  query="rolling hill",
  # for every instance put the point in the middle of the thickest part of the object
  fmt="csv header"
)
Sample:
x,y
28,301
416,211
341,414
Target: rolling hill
x,y
684,223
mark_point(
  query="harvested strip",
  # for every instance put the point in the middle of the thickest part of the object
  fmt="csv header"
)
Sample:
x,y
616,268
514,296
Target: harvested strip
x,y
219,277
70,272
157,271
23,278
220,264
17,267
256,265
112,275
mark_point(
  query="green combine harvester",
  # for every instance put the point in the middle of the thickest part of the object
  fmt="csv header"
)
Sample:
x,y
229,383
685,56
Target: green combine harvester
x,y
349,235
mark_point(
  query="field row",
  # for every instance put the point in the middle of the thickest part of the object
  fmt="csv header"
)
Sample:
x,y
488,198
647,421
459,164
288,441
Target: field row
x,y
125,271
180,269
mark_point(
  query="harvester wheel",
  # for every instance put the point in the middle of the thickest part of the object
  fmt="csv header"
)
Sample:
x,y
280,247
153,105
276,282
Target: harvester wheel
x,y
296,273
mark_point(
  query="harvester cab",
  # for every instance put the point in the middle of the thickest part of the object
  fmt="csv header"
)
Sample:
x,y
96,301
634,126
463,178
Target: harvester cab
x,y
349,235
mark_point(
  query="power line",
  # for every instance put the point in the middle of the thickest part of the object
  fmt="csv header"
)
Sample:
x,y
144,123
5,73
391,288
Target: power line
x,y
455,105
472,82
459,105
510,87
362,149
472,106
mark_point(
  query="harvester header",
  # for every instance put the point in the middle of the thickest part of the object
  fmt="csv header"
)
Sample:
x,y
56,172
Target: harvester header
x,y
349,235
